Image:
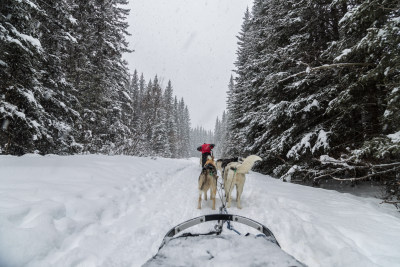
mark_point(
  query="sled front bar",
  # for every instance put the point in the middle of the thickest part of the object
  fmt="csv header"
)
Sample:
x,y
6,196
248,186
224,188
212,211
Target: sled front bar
x,y
219,217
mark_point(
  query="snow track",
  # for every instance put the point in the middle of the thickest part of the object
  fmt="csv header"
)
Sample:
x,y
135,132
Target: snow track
x,y
115,210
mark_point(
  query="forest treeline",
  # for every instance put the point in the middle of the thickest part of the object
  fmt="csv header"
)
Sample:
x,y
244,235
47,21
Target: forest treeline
x,y
317,90
65,88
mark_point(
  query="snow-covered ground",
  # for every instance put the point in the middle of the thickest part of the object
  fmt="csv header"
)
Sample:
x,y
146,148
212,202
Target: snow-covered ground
x,y
94,210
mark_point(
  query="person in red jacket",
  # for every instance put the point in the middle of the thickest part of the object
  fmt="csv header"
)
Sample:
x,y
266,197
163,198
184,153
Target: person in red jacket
x,y
205,150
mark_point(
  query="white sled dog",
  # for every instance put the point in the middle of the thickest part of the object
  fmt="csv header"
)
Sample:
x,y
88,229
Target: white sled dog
x,y
208,180
221,163
234,175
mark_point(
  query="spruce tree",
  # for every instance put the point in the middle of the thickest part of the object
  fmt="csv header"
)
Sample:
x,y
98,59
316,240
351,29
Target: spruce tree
x,y
24,119
317,78
171,126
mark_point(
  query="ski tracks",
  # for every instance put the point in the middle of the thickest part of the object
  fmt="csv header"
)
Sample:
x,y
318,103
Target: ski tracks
x,y
152,196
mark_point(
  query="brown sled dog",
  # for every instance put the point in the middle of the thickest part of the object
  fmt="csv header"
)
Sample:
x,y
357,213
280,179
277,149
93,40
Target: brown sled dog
x,y
208,180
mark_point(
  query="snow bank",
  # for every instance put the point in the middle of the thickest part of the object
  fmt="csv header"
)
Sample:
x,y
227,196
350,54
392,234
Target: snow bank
x,y
395,137
97,210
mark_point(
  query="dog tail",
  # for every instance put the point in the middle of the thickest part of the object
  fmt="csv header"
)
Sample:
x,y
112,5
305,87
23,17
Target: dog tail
x,y
202,179
247,164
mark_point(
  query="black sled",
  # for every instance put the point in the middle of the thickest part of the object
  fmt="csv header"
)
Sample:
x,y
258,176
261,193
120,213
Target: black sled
x,y
181,248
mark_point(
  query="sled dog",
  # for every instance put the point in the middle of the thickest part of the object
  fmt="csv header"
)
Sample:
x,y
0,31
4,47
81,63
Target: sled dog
x,y
234,175
221,163
208,180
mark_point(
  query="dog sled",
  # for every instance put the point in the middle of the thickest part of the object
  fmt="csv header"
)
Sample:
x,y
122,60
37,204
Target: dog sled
x,y
220,246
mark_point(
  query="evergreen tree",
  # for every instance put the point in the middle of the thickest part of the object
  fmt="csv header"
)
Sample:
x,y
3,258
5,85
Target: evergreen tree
x,y
186,132
34,94
65,87
317,77
60,102
233,140
224,136
217,138
147,129
159,141
171,126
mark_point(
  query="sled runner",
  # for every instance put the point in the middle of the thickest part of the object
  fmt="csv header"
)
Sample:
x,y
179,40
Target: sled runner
x,y
181,248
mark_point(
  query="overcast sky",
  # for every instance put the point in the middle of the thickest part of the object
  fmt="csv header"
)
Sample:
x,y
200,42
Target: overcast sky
x,y
192,43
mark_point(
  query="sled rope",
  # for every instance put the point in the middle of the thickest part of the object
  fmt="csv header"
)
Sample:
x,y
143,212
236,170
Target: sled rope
x,y
228,223
223,209
219,190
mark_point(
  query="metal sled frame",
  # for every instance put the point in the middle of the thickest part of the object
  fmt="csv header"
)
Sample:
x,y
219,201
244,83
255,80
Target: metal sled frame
x,y
221,218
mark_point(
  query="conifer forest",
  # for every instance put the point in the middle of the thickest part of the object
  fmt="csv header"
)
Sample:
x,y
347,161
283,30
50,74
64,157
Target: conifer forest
x,y
65,87
315,91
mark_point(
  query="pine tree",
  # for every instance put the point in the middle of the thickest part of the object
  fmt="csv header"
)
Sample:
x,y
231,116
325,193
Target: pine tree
x,y
65,87
224,136
147,129
159,141
59,102
315,78
171,126
186,132
27,122
104,77
233,140
217,138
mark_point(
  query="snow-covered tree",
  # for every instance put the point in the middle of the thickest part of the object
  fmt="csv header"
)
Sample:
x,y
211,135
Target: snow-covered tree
x,y
37,103
171,126
314,78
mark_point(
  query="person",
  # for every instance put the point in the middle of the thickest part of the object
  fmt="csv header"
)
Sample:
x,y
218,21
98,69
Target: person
x,y
205,150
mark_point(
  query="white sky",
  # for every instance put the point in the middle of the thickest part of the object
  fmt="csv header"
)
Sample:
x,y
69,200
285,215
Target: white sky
x,y
192,43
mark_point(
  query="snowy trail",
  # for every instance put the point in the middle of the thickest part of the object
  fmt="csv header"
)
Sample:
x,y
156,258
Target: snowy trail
x,y
114,211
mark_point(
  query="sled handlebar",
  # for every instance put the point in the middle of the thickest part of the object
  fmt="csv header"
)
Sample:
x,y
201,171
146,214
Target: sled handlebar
x,y
220,217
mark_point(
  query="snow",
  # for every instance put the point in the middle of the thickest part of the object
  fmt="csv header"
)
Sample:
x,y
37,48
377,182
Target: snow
x,y
27,38
288,175
127,95
315,103
35,124
72,19
31,4
303,144
70,37
387,113
96,210
322,141
184,251
30,97
327,159
13,40
14,110
345,52
395,136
